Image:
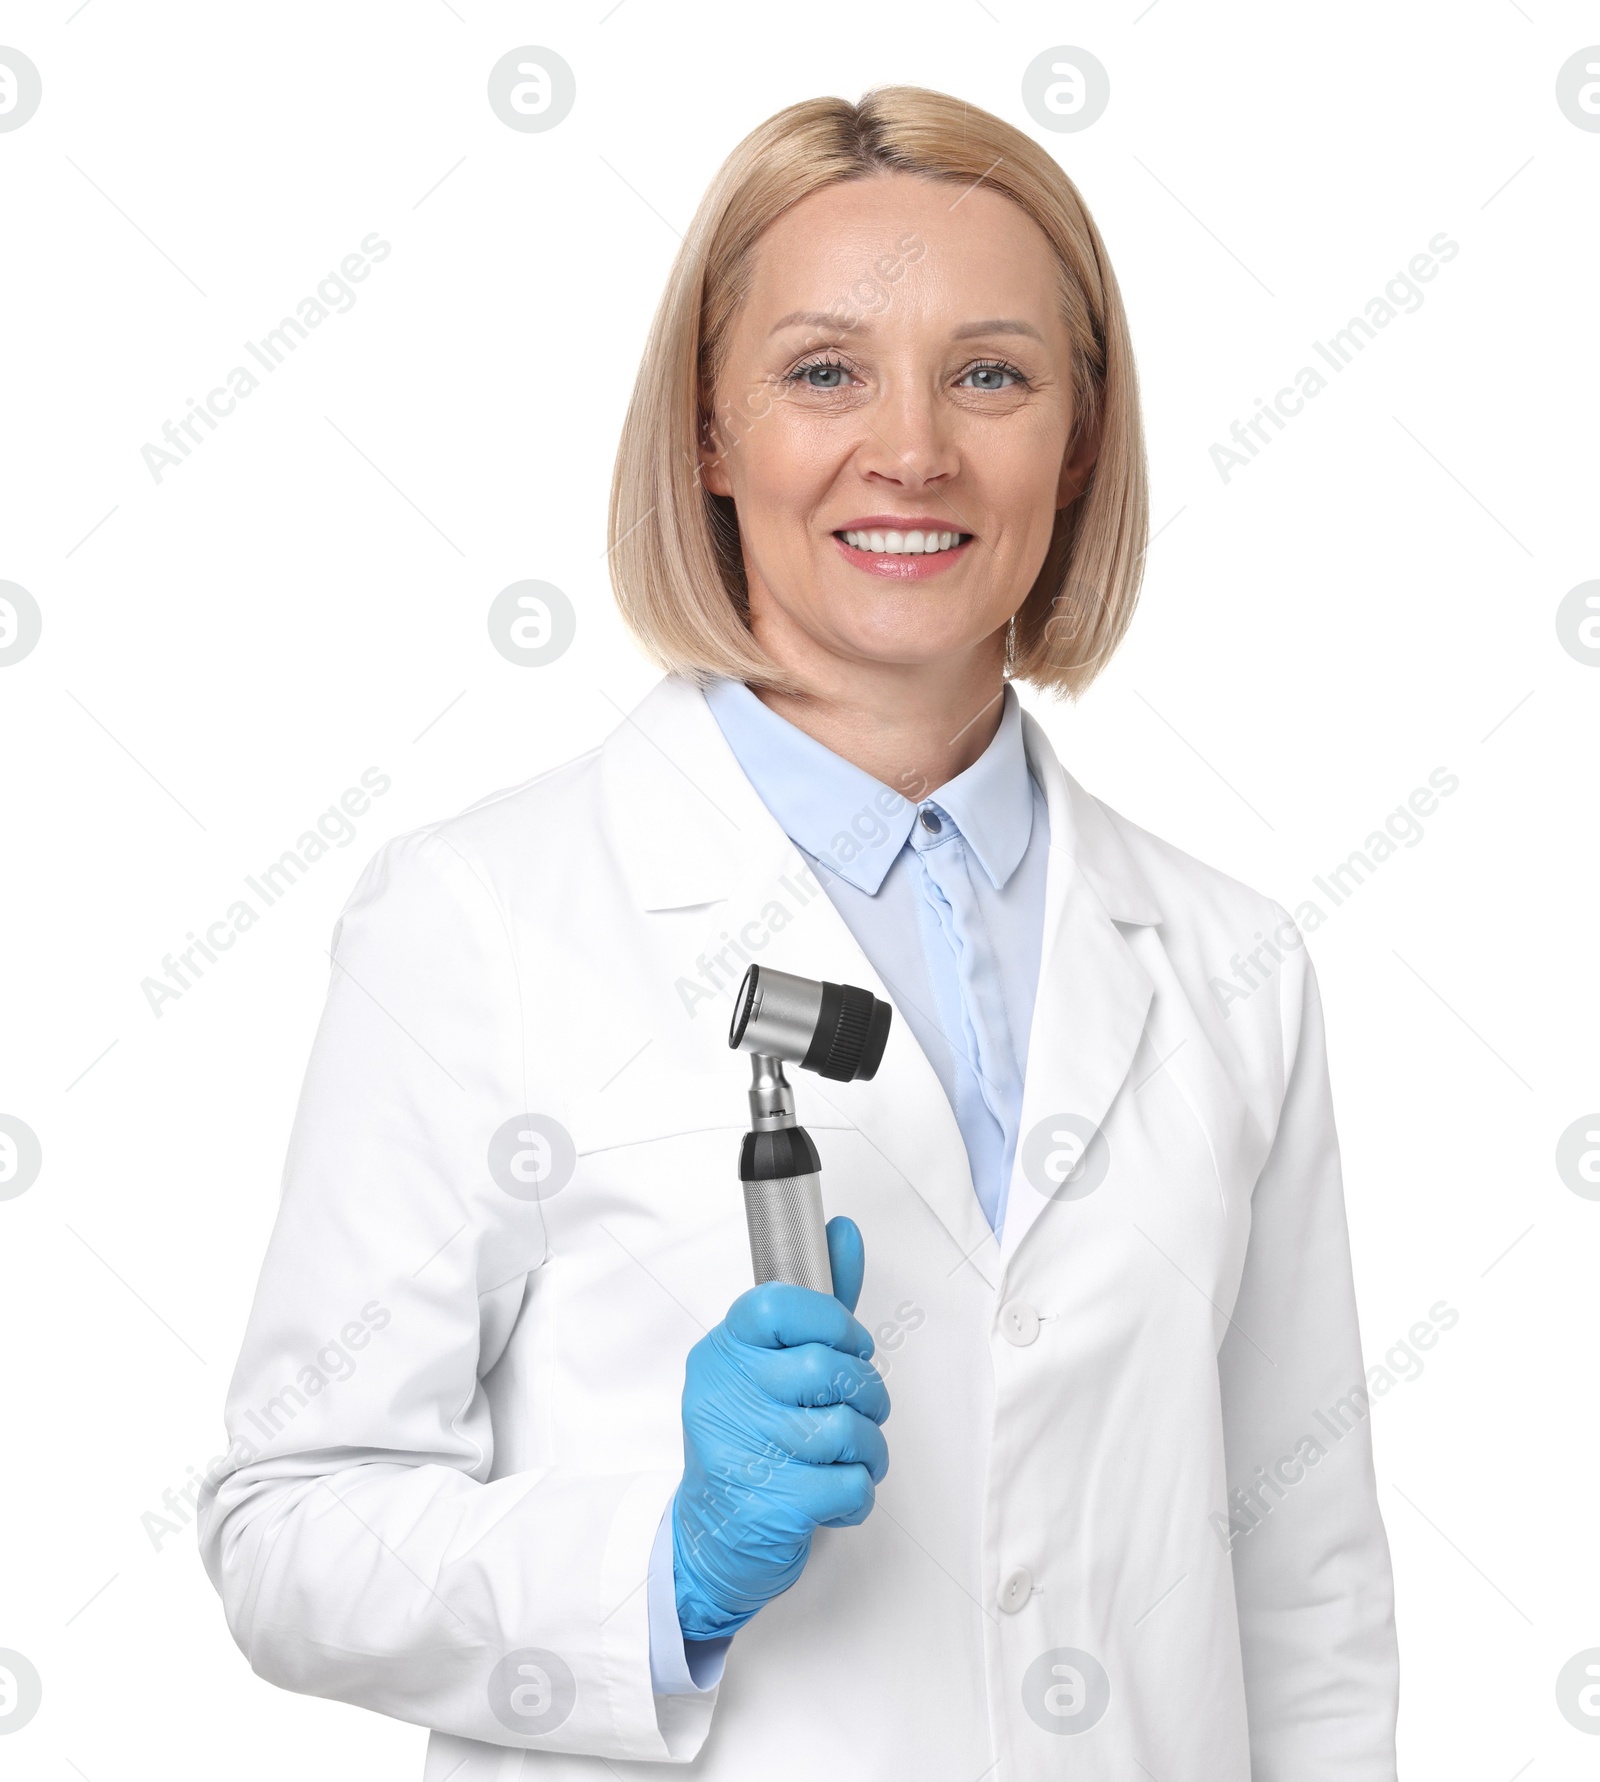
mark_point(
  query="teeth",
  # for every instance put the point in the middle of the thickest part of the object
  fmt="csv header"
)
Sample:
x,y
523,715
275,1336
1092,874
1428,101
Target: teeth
x,y
904,544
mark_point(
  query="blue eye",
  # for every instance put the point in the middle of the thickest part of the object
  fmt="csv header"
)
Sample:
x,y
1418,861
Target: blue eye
x,y
994,376
821,374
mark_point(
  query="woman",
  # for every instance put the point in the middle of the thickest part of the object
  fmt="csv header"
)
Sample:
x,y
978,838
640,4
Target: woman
x,y
519,1454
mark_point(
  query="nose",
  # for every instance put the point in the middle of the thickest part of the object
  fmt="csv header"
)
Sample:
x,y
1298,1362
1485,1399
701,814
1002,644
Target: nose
x,y
907,444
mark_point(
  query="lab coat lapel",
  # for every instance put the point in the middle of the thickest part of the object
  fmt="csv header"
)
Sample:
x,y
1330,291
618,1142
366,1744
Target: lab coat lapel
x,y
1093,995
703,853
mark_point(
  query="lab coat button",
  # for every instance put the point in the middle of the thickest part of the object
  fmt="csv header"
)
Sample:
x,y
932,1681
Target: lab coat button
x,y
1015,1589
1020,1323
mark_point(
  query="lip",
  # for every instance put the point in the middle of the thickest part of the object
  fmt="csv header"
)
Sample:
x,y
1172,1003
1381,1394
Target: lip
x,y
899,567
899,523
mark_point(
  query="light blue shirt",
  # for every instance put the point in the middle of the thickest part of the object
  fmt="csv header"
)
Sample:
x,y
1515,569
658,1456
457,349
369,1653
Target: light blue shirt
x,y
945,896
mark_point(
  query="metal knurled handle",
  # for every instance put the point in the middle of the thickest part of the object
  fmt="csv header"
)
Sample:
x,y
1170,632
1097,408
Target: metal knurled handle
x,y
788,1236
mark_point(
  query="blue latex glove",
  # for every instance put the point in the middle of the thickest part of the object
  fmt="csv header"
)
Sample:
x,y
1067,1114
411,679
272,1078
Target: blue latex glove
x,y
781,1408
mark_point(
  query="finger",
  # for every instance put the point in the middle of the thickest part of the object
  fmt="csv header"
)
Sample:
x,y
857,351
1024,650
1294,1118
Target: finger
x,y
813,1374
777,1315
847,1256
835,1496
835,1434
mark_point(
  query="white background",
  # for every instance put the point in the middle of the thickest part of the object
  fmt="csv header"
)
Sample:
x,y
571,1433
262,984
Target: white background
x,y
226,650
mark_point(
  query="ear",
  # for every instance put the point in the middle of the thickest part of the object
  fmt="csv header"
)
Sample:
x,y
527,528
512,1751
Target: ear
x,y
1078,464
713,461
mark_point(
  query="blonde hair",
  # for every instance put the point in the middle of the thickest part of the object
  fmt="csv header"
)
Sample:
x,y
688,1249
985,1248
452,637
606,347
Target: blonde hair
x,y
675,559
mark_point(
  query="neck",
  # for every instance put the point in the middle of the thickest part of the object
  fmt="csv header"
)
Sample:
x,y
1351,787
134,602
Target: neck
x,y
913,726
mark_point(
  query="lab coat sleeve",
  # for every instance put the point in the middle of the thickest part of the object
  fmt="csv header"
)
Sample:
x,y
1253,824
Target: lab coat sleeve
x,y
1311,1566
362,1549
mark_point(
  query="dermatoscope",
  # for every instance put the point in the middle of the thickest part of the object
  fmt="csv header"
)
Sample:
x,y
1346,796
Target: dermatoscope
x,y
835,1030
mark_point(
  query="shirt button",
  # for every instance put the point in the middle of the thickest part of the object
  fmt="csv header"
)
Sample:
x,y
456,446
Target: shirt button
x,y
1019,1323
1015,1589
930,822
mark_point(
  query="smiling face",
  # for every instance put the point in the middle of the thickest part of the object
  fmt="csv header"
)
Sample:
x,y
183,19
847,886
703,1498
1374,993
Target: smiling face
x,y
896,459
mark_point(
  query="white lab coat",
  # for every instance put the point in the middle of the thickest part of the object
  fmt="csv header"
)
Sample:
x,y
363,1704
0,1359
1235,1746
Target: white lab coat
x,y
456,1413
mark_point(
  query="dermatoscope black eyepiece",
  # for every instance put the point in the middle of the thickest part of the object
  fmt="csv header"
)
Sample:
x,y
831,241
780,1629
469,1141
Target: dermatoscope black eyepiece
x,y
836,1030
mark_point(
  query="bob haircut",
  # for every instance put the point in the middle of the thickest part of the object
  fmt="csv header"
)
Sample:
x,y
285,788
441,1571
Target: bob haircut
x,y
676,564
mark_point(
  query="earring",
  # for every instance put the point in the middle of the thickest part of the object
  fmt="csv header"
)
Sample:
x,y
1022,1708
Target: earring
x,y
1011,643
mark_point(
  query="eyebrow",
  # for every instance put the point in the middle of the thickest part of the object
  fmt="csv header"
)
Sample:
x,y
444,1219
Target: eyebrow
x,y
813,318
820,318
997,325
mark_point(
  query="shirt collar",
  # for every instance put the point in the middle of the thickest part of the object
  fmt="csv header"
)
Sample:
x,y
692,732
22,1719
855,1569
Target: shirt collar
x,y
991,802
854,824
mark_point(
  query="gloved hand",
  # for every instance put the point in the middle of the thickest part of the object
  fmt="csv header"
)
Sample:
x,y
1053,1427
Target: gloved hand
x,y
781,1408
